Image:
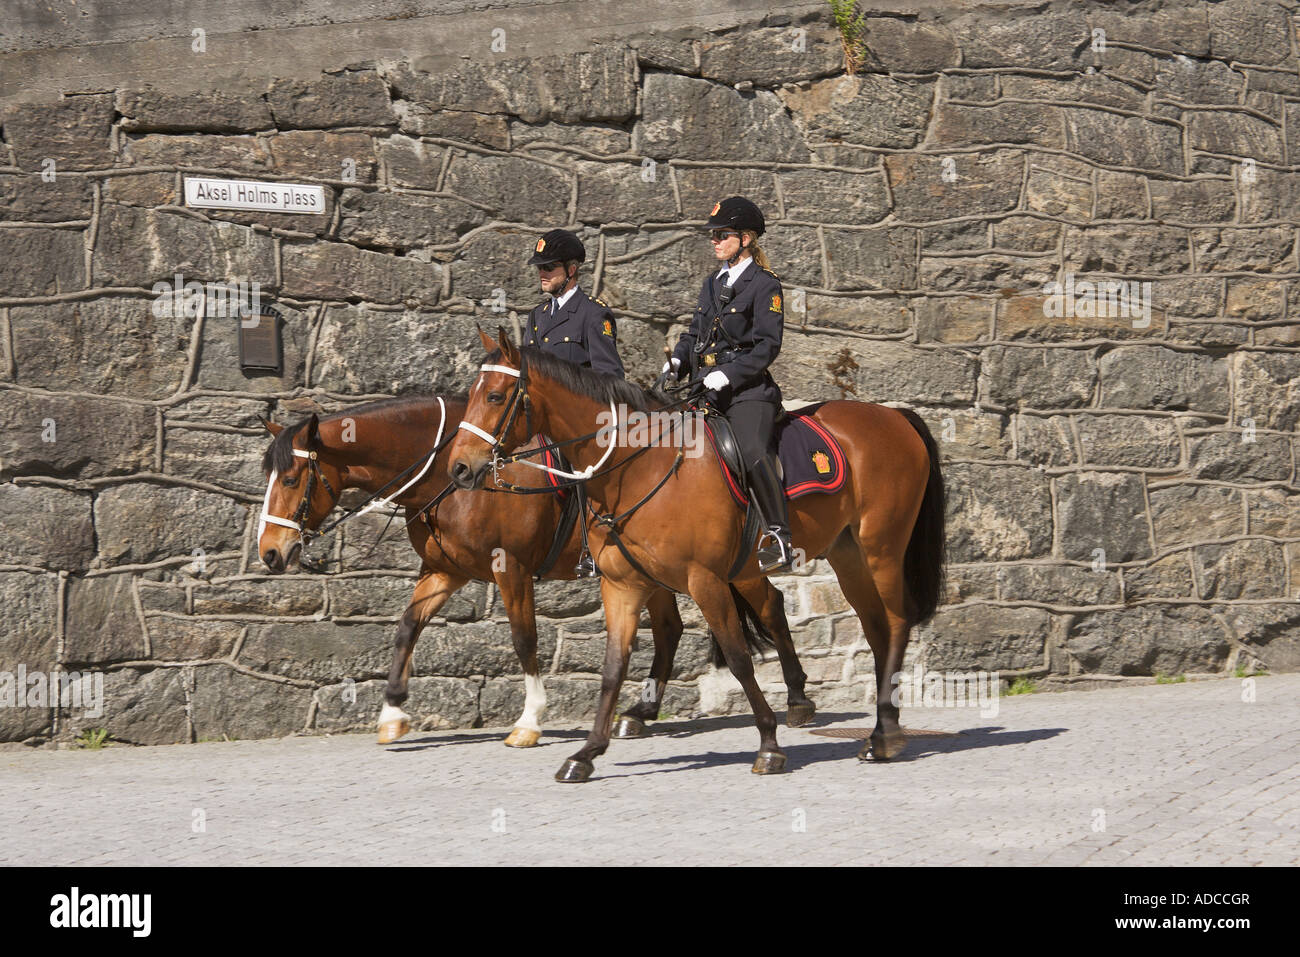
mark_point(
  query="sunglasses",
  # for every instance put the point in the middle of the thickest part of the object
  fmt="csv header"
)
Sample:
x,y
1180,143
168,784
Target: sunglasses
x,y
722,235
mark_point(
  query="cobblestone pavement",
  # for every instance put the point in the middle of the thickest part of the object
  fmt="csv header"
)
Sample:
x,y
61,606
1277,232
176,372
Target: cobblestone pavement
x,y
1164,774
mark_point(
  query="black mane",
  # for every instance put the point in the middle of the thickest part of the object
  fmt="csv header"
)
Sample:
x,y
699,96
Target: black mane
x,y
279,455
601,386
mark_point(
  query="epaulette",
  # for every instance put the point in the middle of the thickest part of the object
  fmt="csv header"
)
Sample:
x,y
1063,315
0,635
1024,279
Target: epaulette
x,y
770,273
600,302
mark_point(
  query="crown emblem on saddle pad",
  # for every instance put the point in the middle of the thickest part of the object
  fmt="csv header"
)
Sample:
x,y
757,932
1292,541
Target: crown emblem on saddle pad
x,y
822,461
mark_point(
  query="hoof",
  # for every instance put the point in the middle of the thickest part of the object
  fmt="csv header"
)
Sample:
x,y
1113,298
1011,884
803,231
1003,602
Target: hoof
x,y
797,715
629,727
523,738
574,771
390,731
769,762
882,748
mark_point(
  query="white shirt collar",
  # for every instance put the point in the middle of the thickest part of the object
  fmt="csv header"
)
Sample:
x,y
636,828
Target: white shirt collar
x,y
561,300
733,272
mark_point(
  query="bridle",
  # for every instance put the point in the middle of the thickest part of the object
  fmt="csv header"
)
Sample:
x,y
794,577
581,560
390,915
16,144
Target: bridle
x,y
314,474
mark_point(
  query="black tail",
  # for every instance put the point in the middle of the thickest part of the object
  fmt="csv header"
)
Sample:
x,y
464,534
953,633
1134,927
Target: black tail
x,y
757,638
923,563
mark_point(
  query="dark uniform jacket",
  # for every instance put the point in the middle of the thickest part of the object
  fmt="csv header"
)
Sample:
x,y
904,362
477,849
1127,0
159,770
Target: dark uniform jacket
x,y
752,320
583,331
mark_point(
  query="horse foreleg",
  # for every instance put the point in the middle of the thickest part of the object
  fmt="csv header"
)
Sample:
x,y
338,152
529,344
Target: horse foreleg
x,y
623,606
517,595
431,592
666,624
768,602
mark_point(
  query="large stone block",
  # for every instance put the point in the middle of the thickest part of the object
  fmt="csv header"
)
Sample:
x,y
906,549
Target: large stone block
x,y
31,627
687,118
74,132
1045,41
816,367
221,458
1193,201
402,221
837,197
650,273
968,434
1003,274
869,109
365,351
141,706
1092,88
44,526
321,651
513,188
1056,193
1253,31
1102,510
1152,377
1045,440
1226,457
997,513
30,199
1134,440
340,271
702,186
907,46
621,193
73,436
343,99
927,187
1268,389
143,522
109,345
986,637
1059,584
1054,316
141,247
1274,511
770,57
1271,632
1178,29
871,258
238,155
182,639
1169,577
411,162
1267,249
1197,81
1250,568
1148,640
102,623
488,130
1038,378
211,111
1195,513
1118,140
42,262
1233,133
1125,249
960,125
873,315
228,703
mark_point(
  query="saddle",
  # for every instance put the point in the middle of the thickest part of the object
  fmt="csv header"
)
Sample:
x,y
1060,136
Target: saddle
x,y
808,460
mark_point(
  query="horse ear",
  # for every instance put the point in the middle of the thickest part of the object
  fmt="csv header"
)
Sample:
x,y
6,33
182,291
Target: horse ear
x,y
488,344
313,430
508,349
272,427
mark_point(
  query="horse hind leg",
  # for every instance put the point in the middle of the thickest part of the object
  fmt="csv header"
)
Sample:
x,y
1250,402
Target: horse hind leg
x,y
666,624
431,592
769,605
865,584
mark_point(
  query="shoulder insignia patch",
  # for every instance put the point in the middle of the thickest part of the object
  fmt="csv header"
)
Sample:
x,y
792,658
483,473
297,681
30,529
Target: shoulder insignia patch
x,y
770,273
776,303
607,328
599,302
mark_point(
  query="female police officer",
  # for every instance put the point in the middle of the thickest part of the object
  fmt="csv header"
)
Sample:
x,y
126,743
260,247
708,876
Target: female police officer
x,y
733,338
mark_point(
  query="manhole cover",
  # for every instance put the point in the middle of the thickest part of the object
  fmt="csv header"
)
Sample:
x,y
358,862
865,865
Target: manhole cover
x,y
864,733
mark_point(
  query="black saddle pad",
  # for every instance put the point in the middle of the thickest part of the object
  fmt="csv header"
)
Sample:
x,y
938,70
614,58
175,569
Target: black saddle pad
x,y
810,457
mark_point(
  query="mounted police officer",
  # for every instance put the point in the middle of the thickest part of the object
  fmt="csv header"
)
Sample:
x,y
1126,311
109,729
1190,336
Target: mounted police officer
x,y
570,324
734,337
575,327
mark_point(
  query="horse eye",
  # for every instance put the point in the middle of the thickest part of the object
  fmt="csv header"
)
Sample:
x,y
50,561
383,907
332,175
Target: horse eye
x,y
496,398
289,482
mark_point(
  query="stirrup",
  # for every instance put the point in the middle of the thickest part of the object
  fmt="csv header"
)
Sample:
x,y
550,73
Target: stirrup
x,y
586,567
777,555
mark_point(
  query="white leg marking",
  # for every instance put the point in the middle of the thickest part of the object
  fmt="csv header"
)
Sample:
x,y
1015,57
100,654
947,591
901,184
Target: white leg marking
x,y
534,703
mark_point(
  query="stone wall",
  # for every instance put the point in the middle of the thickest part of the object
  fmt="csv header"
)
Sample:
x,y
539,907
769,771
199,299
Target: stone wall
x,y
1123,493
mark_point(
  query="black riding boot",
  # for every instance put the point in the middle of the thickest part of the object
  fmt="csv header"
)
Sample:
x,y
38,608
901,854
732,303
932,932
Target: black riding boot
x,y
769,496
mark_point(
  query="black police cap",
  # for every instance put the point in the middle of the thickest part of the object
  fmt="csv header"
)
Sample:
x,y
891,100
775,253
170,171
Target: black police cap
x,y
736,212
559,245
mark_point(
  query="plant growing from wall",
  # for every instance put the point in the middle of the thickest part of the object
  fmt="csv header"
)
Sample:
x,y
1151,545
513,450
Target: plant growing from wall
x,y
852,27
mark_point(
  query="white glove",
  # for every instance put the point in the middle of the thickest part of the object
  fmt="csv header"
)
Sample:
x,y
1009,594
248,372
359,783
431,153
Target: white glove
x,y
716,380
673,364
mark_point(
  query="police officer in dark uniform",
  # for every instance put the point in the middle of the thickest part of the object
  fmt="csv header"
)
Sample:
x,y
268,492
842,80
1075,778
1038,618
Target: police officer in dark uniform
x,y
570,324
734,336
573,326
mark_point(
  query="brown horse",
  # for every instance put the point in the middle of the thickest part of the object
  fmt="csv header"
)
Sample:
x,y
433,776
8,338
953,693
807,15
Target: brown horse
x,y
670,523
484,536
